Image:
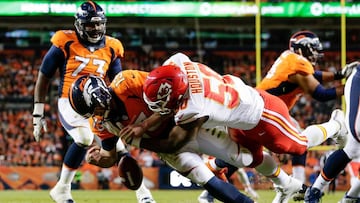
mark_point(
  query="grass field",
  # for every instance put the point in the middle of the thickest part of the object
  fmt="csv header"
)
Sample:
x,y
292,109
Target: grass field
x,y
161,196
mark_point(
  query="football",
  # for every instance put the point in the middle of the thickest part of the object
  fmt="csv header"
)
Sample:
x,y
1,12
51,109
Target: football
x,y
130,172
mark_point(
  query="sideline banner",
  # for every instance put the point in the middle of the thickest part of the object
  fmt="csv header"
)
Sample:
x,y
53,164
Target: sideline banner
x,y
34,178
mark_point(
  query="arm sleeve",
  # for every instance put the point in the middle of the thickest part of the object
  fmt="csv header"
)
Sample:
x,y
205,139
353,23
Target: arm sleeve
x,y
322,94
115,68
53,59
318,76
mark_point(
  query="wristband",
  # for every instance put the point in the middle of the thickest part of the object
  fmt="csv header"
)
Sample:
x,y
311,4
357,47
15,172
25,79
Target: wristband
x,y
38,109
338,75
136,142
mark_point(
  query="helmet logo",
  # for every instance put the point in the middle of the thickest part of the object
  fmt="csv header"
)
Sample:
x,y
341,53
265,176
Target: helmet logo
x,y
164,91
87,93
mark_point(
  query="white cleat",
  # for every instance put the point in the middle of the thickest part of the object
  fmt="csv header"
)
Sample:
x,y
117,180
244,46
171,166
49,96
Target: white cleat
x,y
146,200
341,137
284,193
144,197
347,199
205,197
61,193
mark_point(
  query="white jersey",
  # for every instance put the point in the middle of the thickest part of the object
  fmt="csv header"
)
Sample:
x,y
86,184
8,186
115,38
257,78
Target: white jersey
x,y
226,100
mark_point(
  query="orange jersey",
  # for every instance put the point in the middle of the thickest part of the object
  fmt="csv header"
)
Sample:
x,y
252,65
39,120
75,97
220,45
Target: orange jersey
x,y
276,82
83,61
127,90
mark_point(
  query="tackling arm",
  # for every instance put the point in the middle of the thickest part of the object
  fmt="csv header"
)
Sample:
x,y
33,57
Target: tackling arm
x,y
178,137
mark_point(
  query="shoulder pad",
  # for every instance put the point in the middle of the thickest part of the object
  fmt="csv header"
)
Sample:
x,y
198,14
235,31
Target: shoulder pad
x,y
116,45
61,37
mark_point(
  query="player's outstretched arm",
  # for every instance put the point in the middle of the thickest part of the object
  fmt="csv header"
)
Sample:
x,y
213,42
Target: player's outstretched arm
x,y
178,137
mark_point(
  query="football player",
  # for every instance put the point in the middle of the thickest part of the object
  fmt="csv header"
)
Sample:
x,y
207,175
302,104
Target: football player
x,y
340,158
111,109
255,118
85,50
293,75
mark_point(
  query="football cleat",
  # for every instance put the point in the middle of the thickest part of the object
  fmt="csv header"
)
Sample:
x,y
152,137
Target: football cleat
x,y
313,195
147,200
348,199
61,193
341,137
299,196
205,197
283,194
144,196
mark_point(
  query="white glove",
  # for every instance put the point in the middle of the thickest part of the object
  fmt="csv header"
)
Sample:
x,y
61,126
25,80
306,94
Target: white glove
x,y
348,68
39,121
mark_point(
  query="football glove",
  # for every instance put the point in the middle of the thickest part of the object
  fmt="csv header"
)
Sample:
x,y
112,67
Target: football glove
x,y
39,121
348,68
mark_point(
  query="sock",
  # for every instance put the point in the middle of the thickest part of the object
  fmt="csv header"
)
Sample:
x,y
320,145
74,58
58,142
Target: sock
x,y
320,183
298,167
143,191
270,169
66,175
72,160
298,172
317,134
225,192
354,190
243,177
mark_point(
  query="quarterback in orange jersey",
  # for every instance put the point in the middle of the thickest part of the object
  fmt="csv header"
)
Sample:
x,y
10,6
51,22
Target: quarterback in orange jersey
x,y
74,53
111,109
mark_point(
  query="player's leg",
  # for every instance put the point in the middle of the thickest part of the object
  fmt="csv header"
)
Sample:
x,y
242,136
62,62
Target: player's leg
x,y
218,164
192,166
338,160
79,129
222,170
298,161
298,167
285,185
72,161
244,179
335,128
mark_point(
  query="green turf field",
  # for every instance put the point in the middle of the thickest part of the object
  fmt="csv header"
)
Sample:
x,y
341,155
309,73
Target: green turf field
x,y
161,196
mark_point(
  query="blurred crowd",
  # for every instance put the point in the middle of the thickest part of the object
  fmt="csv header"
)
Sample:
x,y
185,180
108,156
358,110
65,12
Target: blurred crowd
x,y
18,73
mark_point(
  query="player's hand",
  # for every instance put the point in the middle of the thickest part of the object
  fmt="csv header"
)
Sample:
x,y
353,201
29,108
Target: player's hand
x,y
93,155
348,68
39,121
131,131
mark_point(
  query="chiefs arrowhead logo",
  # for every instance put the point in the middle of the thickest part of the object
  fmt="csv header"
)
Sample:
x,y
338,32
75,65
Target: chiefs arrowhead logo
x,y
164,91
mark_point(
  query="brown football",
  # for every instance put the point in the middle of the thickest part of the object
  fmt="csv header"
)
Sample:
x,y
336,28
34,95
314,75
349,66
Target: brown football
x,y
130,172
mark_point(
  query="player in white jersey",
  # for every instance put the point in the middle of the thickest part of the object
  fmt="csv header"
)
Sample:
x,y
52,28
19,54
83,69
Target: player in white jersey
x,y
256,118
